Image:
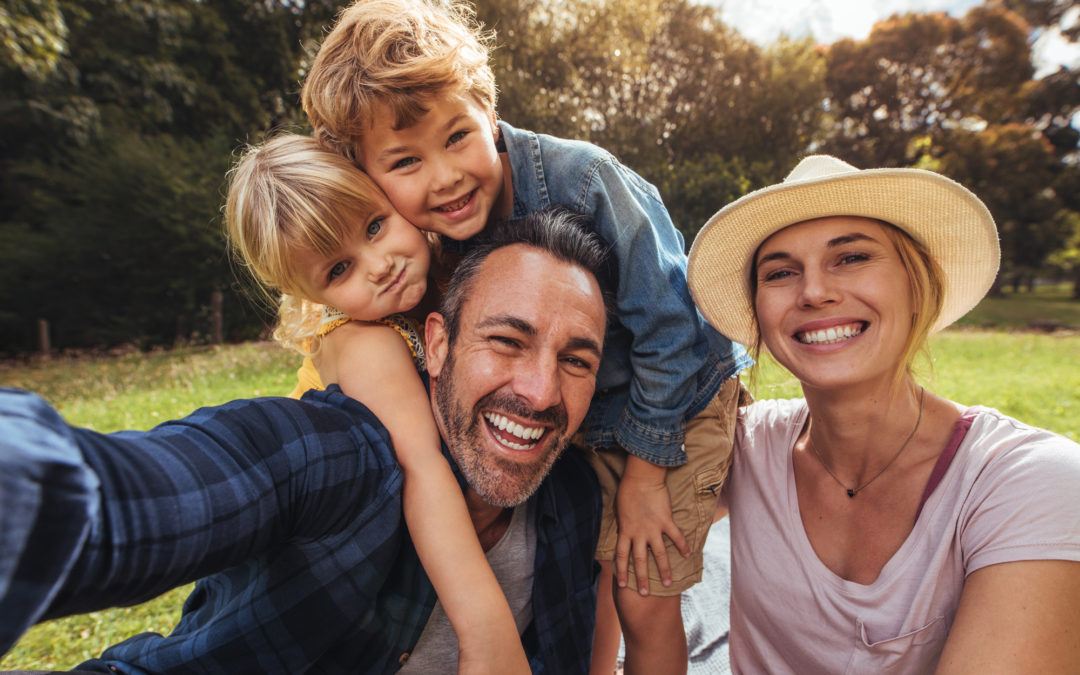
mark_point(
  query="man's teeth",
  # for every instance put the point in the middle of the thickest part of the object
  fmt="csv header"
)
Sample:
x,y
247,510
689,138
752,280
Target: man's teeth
x,y
528,435
456,205
830,335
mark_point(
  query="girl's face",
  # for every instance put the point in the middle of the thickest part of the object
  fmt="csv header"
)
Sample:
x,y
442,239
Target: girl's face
x,y
381,269
833,301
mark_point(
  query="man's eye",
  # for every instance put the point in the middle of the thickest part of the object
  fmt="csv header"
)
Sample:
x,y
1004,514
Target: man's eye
x,y
337,270
578,363
502,340
374,227
402,163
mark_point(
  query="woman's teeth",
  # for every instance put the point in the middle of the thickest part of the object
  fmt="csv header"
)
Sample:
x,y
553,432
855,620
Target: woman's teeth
x,y
830,335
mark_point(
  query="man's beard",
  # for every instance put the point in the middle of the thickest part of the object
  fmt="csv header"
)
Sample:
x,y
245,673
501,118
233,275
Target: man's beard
x,y
498,481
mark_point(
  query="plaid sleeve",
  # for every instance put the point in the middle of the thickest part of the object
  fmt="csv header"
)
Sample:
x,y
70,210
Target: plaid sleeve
x,y
187,499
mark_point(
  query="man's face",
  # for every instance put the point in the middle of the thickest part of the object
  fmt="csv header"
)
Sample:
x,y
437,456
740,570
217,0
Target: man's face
x,y
518,379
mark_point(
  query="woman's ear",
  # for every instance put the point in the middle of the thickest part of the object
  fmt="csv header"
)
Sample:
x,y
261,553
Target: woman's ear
x,y
438,343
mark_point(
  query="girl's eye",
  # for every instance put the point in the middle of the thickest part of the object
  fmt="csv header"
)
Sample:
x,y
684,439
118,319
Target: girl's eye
x,y
337,270
374,227
402,163
456,137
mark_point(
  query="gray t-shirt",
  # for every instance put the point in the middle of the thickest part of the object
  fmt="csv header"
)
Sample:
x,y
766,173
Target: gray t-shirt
x,y
511,558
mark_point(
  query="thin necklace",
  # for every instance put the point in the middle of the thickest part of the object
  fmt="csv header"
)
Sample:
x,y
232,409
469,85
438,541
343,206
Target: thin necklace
x,y
851,492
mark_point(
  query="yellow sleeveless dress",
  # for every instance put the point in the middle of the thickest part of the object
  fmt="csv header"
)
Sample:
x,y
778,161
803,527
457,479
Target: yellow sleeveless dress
x,y
308,376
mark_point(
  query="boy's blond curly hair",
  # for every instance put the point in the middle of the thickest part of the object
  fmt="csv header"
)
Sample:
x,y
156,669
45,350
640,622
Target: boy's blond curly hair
x,y
290,193
398,54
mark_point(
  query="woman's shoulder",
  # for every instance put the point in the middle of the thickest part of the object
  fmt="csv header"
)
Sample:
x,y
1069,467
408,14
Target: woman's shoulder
x,y
996,436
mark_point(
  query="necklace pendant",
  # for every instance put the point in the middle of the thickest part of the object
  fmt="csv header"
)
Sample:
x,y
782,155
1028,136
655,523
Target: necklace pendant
x,y
850,493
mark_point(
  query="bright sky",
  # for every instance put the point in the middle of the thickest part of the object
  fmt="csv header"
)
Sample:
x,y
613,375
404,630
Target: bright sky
x,y
829,20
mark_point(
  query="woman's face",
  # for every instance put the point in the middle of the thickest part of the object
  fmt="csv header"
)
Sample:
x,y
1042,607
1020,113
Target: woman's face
x,y
833,301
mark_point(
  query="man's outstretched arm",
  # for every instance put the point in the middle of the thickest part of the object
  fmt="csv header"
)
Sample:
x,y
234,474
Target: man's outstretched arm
x,y
91,520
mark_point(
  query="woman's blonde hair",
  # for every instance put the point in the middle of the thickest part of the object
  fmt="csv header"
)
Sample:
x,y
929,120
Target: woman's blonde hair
x,y
926,281
286,194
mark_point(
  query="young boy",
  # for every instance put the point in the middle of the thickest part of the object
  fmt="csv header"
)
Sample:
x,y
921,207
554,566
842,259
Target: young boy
x,y
404,88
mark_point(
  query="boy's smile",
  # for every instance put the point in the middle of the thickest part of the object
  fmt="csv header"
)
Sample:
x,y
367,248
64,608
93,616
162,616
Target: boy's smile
x,y
443,173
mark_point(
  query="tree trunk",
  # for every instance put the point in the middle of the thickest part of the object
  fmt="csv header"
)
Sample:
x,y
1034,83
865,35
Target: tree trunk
x,y
44,345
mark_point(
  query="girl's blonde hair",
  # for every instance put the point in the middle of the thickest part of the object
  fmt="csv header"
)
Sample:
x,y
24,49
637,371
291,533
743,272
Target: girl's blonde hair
x,y
286,194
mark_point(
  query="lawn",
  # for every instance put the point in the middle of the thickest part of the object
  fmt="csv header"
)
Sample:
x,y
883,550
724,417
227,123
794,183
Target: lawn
x,y
1030,375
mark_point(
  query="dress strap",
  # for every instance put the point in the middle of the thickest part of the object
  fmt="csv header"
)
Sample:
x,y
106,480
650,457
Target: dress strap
x,y
959,431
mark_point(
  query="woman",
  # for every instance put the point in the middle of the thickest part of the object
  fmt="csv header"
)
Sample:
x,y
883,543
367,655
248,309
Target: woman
x,y
875,526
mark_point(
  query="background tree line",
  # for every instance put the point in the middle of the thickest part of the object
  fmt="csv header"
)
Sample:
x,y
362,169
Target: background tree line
x,y
120,118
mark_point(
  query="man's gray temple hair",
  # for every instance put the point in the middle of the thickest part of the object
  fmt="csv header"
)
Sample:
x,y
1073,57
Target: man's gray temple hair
x,y
562,233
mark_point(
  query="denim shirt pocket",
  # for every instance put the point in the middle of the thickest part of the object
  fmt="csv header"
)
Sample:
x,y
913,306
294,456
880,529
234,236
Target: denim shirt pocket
x,y
915,651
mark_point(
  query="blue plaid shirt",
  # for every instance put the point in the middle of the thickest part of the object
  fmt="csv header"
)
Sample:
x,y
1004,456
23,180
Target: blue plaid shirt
x,y
290,513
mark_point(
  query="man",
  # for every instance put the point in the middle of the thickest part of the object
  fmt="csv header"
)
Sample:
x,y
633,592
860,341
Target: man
x,y
292,509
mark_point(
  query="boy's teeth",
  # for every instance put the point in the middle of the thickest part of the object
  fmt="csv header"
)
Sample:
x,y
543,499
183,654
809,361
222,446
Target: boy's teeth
x,y
830,335
527,435
456,205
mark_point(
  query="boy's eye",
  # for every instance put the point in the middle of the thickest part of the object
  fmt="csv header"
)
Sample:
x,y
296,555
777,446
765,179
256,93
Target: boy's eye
x,y
374,227
456,137
402,163
337,270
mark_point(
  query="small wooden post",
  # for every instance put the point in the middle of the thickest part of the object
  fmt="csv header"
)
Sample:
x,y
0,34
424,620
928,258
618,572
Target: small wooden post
x,y
44,346
217,299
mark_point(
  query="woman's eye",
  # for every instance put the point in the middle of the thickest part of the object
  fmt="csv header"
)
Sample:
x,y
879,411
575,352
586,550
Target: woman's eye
x,y
337,270
776,275
374,227
853,258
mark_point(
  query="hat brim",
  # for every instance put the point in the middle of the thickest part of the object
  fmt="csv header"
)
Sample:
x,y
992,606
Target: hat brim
x,y
951,222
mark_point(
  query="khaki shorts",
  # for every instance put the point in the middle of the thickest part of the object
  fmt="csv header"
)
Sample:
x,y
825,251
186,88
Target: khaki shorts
x,y
694,487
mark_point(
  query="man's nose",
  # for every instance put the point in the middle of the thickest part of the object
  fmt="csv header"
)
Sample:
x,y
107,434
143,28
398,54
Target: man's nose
x,y
537,382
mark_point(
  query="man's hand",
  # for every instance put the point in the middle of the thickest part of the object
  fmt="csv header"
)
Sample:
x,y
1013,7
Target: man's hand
x,y
643,513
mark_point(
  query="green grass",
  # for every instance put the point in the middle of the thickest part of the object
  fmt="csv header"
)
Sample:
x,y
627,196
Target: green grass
x,y
1047,305
1031,376
1034,377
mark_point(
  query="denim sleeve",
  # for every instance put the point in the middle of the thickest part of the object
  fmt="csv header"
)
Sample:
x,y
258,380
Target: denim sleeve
x,y
90,520
653,303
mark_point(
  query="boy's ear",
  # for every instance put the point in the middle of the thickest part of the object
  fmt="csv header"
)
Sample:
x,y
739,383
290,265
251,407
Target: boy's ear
x,y
438,344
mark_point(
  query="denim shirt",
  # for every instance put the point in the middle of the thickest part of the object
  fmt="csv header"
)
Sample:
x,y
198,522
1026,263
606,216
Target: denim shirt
x,y
662,362
290,512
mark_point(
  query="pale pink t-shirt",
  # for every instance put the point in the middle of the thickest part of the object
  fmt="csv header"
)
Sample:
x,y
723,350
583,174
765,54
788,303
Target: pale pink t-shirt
x,y
1010,493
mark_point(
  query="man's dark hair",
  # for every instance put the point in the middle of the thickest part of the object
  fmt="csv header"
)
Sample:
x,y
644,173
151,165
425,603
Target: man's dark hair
x,y
558,232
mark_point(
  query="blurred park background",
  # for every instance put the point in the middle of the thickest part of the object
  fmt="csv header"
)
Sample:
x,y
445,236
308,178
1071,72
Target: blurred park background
x,y
120,118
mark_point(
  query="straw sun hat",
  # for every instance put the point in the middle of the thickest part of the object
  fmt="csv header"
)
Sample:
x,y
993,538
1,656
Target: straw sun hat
x,y
943,215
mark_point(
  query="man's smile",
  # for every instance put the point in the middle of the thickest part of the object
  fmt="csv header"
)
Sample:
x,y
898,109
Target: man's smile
x,y
512,434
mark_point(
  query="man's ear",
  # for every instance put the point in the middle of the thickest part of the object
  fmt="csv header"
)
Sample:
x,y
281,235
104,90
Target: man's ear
x,y
438,343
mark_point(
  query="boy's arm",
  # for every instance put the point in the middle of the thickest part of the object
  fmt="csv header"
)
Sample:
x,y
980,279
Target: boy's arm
x,y
669,350
92,520
643,510
373,364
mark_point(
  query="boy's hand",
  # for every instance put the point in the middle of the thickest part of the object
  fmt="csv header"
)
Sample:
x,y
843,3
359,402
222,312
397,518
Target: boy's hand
x,y
643,513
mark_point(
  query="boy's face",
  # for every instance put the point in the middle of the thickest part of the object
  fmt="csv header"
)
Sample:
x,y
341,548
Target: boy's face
x,y
443,173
